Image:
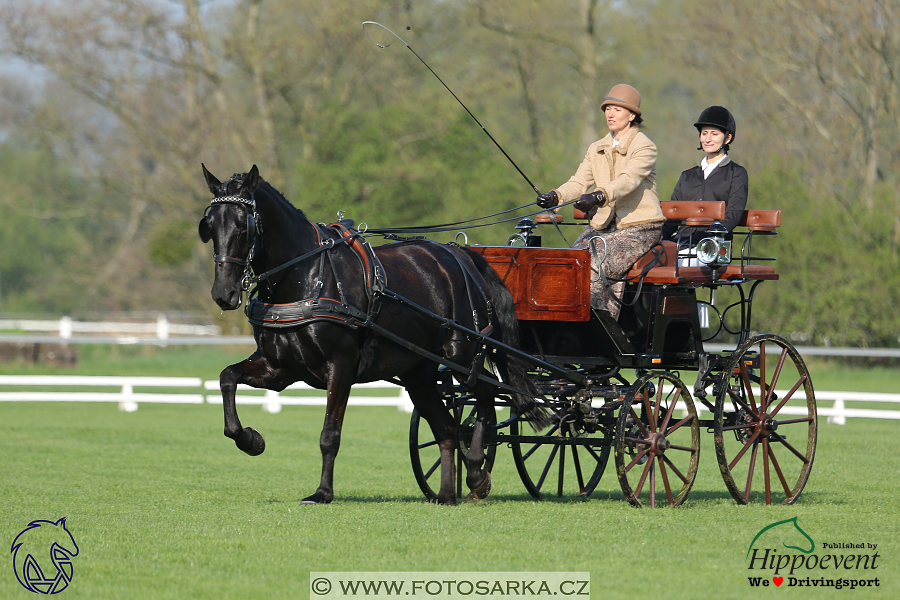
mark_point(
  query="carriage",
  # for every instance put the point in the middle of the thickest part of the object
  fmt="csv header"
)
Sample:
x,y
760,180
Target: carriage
x,y
757,399
470,329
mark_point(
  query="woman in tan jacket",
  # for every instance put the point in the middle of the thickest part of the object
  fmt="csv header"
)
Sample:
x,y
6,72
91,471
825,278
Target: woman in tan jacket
x,y
626,219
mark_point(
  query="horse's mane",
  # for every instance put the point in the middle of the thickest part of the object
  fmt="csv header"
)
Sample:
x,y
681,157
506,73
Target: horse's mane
x,y
271,191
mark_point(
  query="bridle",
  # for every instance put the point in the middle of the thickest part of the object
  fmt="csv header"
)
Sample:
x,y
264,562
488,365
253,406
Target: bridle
x,y
255,231
253,224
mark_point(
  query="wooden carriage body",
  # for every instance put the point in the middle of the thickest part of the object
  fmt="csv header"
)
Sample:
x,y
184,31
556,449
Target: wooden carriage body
x,y
659,326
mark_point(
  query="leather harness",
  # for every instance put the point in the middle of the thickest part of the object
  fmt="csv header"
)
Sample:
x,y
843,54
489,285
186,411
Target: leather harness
x,y
319,308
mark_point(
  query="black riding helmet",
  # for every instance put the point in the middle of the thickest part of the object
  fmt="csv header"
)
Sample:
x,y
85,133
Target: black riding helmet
x,y
720,118
717,116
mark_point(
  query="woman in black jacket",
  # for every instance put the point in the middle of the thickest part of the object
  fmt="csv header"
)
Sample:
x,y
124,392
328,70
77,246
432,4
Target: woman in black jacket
x,y
716,177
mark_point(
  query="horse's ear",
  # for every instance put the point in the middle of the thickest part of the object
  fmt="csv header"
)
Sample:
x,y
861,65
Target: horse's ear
x,y
211,182
251,181
203,230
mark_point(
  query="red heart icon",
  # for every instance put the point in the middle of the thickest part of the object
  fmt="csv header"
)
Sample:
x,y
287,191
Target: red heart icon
x,y
778,580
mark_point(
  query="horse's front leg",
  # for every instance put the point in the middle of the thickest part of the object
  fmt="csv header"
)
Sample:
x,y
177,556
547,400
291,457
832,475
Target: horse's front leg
x,y
330,439
253,371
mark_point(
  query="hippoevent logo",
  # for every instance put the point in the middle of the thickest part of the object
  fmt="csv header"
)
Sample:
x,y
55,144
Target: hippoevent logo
x,y
42,556
783,554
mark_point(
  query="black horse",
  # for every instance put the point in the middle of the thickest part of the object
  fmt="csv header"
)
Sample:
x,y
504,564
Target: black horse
x,y
331,312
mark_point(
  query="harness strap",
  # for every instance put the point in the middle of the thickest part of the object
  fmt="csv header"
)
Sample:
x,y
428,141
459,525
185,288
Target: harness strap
x,y
304,312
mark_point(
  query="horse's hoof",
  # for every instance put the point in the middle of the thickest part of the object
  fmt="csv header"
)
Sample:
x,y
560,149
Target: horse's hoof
x,y
448,501
481,491
251,441
317,498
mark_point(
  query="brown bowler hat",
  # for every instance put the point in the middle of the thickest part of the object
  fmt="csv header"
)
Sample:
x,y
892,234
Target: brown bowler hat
x,y
625,96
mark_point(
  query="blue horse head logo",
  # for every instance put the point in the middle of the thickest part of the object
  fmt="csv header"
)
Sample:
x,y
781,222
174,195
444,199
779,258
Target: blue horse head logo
x,y
42,556
787,531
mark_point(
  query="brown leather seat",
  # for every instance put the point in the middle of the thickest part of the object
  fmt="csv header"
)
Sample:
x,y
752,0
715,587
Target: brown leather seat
x,y
665,269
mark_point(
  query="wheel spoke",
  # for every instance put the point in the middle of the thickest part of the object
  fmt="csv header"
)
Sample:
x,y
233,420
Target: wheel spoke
x,y
775,377
674,468
428,444
745,377
593,453
749,443
789,395
762,376
787,490
684,448
436,464
657,404
648,466
638,440
669,411
766,470
679,424
743,404
540,482
578,473
648,411
637,457
652,464
750,472
562,469
791,448
665,478
537,446
639,423
741,426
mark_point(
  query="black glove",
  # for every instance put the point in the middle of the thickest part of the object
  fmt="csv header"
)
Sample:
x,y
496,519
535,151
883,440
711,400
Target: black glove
x,y
548,200
589,201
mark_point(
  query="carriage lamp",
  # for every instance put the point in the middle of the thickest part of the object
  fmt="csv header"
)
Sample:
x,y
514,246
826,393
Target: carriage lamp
x,y
714,250
525,227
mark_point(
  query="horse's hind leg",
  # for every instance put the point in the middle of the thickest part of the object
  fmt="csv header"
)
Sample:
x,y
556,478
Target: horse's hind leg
x,y
478,479
340,382
427,399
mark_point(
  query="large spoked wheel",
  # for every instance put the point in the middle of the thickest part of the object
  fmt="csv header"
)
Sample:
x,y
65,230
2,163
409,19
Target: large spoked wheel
x,y
657,441
426,456
765,422
568,459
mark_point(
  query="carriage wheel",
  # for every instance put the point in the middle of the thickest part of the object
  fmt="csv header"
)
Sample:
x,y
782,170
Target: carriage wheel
x,y
765,422
568,458
657,441
426,456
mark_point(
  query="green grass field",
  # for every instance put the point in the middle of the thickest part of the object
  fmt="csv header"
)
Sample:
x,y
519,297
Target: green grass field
x,y
163,506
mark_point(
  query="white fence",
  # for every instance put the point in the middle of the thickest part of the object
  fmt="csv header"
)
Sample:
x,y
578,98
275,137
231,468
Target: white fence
x,y
128,331
193,390
838,413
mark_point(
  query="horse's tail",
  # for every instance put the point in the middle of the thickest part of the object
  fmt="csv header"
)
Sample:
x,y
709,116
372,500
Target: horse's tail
x,y
506,330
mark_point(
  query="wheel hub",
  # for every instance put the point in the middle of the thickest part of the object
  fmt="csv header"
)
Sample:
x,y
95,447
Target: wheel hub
x,y
659,443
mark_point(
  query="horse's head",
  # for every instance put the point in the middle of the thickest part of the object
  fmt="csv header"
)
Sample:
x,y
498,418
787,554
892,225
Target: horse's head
x,y
229,222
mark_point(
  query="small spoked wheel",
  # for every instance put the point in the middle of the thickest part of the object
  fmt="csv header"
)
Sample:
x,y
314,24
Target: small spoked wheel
x,y
566,459
765,422
657,441
426,456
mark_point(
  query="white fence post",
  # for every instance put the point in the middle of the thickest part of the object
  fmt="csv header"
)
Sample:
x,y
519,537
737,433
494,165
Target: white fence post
x,y
65,328
839,416
127,404
273,403
162,328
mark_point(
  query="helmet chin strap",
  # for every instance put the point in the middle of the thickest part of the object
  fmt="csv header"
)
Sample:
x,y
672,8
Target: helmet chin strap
x,y
721,148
